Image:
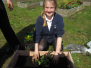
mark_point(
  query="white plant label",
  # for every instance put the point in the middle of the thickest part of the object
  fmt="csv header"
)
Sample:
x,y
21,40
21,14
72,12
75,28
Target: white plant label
x,y
78,8
41,3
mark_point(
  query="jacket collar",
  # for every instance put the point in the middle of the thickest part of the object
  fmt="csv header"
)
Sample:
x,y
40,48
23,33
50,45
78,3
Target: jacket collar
x,y
52,17
49,20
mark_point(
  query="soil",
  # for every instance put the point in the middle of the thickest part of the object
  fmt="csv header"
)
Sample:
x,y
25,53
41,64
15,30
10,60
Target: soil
x,y
26,62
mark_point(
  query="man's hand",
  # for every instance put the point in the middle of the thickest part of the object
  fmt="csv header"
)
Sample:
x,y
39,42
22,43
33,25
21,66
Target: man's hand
x,y
55,58
10,5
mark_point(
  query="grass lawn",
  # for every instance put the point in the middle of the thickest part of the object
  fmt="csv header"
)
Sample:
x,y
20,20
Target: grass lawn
x,y
77,30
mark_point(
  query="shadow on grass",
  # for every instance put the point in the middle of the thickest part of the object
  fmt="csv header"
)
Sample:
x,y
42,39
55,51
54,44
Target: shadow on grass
x,y
20,35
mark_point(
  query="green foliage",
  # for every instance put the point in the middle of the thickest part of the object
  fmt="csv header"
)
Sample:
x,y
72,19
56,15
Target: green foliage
x,y
43,60
79,0
76,4
28,40
50,55
28,2
29,37
68,5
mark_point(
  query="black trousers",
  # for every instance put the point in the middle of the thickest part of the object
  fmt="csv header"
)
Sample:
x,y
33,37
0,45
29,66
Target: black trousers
x,y
6,28
44,45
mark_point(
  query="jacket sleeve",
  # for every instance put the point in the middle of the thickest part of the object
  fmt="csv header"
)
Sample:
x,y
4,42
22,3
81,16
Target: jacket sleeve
x,y
60,26
38,31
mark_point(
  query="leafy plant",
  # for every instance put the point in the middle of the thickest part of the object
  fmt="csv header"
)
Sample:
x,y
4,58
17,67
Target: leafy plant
x,y
67,5
28,41
43,60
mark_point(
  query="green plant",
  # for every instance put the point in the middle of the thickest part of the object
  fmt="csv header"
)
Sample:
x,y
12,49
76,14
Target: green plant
x,y
28,2
44,60
68,5
28,41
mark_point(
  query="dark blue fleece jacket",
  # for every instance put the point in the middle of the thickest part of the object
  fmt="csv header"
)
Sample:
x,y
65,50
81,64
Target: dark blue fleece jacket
x,y
56,29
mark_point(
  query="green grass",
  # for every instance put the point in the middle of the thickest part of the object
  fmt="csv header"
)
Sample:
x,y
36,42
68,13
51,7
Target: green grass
x,y
77,30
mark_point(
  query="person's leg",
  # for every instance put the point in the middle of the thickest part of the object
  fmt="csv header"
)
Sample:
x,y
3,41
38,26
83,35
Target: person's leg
x,y
7,30
54,42
43,45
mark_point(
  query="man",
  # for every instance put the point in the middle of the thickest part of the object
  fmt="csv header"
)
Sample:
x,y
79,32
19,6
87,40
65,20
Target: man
x,y
6,28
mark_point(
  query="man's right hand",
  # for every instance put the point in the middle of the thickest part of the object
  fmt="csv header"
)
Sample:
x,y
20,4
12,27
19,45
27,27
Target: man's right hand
x,y
10,5
36,55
